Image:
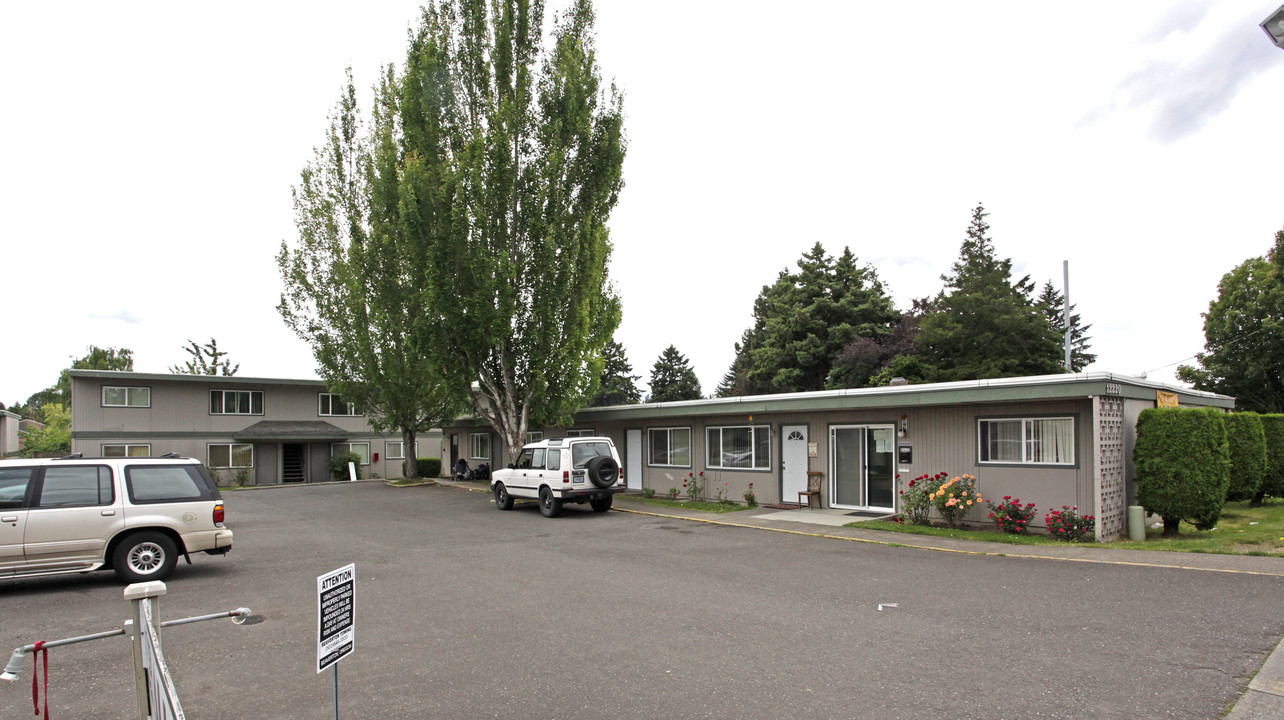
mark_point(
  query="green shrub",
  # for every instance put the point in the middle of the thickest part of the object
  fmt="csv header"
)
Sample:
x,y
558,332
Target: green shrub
x,y
338,465
1183,465
1247,443
428,467
1273,479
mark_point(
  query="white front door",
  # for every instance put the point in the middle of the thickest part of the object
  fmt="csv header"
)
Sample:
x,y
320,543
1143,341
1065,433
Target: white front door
x,y
633,459
793,458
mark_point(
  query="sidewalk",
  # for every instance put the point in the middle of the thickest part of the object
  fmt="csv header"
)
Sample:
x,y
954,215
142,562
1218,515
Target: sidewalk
x,y
1263,699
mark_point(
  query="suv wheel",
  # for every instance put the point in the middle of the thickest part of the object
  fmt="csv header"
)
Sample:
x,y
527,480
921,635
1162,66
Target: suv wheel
x,y
601,504
503,500
549,505
144,556
603,471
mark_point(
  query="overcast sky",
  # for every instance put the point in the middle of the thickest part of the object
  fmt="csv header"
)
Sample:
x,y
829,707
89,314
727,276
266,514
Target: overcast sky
x,y
149,150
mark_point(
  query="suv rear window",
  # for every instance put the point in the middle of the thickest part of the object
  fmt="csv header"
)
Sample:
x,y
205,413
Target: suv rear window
x,y
166,483
582,452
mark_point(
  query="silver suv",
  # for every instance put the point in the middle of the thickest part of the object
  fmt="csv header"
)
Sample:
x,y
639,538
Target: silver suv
x,y
579,470
132,515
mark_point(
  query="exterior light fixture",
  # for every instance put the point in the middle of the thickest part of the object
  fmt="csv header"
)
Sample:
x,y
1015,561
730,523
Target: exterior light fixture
x,y
1274,27
904,426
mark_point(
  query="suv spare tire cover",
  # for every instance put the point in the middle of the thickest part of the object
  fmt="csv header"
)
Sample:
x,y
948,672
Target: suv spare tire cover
x,y
603,471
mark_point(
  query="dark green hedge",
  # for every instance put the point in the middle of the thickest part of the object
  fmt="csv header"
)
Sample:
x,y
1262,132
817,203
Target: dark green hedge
x,y
1183,465
428,467
1273,480
1247,443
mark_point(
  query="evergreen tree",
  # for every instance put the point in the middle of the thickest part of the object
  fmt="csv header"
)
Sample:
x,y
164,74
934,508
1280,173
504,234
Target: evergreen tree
x,y
805,320
673,379
1244,340
618,384
1052,304
983,324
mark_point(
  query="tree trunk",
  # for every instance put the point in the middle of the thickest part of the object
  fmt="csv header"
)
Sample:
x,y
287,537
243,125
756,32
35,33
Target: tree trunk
x,y
408,450
1170,527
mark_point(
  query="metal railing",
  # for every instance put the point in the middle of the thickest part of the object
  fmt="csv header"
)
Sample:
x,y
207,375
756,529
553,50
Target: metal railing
x,y
154,688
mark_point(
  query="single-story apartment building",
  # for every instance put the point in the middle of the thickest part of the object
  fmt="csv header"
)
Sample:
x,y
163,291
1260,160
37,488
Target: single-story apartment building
x,y
1052,440
269,430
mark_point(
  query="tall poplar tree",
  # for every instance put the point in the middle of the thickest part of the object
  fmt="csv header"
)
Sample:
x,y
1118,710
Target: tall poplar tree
x,y
368,209
524,291
983,324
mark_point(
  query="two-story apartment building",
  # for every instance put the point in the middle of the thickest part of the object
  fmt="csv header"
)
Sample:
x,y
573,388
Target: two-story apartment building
x,y
268,431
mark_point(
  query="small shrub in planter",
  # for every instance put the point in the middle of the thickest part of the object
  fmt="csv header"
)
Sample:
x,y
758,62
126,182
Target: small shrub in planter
x,y
1011,516
750,498
1068,524
648,492
338,465
673,493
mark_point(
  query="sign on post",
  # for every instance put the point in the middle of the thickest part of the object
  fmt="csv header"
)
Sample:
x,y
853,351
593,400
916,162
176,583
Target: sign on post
x,y
336,612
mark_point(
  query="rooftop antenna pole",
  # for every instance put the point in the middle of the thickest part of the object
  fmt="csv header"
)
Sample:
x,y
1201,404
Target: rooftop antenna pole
x,y
1065,265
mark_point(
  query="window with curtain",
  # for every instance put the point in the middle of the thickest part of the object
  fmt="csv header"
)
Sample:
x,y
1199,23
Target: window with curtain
x,y
1032,441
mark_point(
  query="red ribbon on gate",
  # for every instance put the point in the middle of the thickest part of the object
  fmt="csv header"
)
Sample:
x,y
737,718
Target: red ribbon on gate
x,y
36,650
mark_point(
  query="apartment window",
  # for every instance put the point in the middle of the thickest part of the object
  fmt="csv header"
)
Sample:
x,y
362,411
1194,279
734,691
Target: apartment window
x,y
670,447
534,437
479,446
739,448
127,396
396,449
1026,441
230,455
143,450
236,402
580,433
329,404
361,449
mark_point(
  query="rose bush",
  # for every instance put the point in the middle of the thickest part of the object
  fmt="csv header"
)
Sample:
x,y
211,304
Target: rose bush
x,y
1011,516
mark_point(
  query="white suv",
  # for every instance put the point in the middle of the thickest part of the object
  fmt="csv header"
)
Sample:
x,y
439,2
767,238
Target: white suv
x,y
578,470
133,515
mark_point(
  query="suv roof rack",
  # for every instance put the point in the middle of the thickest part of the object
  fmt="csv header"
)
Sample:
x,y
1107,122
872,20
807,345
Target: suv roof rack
x,y
171,455
555,441
73,456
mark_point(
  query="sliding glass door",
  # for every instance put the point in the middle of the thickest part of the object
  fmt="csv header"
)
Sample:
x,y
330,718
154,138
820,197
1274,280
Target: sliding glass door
x,y
862,467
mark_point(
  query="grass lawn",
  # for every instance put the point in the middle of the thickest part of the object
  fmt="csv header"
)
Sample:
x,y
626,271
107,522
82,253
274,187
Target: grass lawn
x,y
702,505
1242,530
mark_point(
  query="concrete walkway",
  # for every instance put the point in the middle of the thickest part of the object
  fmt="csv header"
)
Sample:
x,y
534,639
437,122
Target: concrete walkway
x,y
1264,698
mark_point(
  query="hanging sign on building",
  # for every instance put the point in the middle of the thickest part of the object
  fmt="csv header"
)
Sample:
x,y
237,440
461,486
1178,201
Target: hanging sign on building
x,y
1165,399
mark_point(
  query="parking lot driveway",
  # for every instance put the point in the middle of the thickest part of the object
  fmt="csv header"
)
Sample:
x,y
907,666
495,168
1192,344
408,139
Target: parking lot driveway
x,y
466,612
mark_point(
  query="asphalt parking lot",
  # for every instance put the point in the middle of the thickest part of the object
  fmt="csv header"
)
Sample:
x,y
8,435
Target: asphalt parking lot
x,y
466,612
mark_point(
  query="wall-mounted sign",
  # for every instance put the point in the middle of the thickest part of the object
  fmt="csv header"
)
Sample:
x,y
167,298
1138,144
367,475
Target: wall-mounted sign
x,y
1165,399
811,450
905,453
